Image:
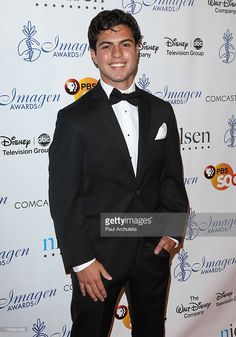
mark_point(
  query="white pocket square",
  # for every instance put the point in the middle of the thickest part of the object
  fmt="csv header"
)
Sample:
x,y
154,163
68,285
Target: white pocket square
x,y
162,132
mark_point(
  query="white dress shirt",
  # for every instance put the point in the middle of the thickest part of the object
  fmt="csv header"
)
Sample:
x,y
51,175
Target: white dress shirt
x,y
127,116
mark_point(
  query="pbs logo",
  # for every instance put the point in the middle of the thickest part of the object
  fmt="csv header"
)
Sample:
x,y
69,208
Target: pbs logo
x,y
72,86
121,311
122,314
221,176
209,172
79,88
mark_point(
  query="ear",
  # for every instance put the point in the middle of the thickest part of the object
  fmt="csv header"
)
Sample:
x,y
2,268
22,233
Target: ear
x,y
93,56
138,50
138,46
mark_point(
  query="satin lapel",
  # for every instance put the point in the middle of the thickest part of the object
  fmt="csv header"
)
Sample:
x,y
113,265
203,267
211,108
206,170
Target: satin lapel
x,y
104,109
144,111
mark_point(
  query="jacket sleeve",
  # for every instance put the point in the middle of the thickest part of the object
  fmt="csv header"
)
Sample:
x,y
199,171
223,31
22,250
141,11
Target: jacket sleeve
x,y
66,194
173,194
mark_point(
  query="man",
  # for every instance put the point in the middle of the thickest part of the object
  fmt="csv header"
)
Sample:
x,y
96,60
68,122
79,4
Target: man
x,y
104,158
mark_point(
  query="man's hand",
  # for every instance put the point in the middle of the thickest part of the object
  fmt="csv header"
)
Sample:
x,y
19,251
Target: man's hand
x,y
167,243
90,281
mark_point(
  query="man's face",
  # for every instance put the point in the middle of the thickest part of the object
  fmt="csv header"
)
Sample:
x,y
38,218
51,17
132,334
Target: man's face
x,y
116,56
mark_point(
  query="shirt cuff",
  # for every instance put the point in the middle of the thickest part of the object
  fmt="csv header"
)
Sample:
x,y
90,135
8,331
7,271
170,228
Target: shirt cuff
x,y
176,241
82,266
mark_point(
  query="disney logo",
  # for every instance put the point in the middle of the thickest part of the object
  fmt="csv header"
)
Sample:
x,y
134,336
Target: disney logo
x,y
175,43
6,141
181,308
214,3
193,306
145,46
226,3
224,294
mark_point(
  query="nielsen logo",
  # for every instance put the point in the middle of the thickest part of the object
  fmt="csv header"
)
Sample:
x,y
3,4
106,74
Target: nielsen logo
x,y
50,245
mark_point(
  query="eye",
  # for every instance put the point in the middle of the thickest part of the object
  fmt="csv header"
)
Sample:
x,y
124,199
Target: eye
x,y
126,44
106,46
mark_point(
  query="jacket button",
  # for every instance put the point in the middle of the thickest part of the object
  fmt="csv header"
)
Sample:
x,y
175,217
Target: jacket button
x,y
137,192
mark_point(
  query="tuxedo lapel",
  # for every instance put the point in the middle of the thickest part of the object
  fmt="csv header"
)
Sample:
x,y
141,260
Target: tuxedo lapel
x,y
144,111
104,109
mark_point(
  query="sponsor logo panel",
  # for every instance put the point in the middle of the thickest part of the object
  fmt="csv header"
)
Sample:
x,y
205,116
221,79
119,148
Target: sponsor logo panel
x,y
78,88
195,307
204,266
222,98
15,146
210,224
227,50
134,7
193,140
30,49
13,301
11,255
27,101
25,204
148,49
225,297
50,246
228,331
172,95
180,47
222,176
39,328
223,6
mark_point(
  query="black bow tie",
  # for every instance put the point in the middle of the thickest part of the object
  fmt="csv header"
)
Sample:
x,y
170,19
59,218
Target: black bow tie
x,y
116,96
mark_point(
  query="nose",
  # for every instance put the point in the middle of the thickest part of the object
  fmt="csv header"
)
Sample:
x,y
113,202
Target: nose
x,y
116,51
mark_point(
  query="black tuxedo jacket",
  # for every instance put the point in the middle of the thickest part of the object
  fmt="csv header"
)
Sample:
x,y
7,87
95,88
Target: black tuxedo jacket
x,y
90,172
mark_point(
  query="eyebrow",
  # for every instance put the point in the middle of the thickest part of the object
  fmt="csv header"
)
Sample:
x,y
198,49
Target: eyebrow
x,y
109,42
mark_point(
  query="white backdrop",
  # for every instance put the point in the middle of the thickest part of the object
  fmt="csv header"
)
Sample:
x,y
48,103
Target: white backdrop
x,y
188,58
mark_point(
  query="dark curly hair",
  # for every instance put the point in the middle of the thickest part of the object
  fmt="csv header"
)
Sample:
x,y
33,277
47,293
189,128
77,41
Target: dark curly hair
x,y
108,19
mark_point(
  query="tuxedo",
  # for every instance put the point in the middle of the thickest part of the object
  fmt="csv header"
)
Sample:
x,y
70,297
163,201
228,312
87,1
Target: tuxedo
x,y
90,172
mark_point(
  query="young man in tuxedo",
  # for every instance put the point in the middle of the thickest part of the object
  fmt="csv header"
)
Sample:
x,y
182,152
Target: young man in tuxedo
x,y
115,151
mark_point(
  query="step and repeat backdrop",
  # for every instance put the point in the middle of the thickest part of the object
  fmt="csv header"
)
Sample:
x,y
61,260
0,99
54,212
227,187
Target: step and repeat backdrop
x,y
188,58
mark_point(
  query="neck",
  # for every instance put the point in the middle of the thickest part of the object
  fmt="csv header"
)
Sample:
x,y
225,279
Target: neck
x,y
120,85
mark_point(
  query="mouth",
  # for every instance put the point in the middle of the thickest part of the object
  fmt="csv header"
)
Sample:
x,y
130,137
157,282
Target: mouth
x,y
117,65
